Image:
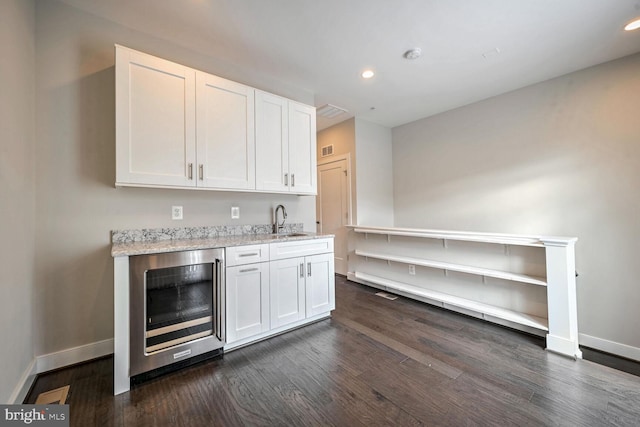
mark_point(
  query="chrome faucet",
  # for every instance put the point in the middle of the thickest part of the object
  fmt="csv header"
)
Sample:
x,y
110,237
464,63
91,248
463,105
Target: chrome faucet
x,y
276,225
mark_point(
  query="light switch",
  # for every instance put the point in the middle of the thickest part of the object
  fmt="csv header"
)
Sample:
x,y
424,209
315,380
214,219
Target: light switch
x,y
235,212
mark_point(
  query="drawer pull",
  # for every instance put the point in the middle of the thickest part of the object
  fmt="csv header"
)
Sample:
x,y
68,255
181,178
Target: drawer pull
x,y
251,254
249,270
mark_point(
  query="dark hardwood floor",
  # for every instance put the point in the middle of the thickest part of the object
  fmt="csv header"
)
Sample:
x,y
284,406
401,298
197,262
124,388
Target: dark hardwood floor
x,y
375,362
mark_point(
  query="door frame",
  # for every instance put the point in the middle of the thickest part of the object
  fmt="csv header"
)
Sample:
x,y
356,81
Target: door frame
x,y
334,159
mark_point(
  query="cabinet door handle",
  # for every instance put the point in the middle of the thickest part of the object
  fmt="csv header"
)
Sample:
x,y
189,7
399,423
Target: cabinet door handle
x,y
190,171
302,270
249,270
250,254
286,179
293,179
309,269
201,172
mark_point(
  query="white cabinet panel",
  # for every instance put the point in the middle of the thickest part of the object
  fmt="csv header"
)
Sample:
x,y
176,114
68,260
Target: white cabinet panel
x,y
225,133
272,142
247,298
248,254
298,248
287,291
320,284
285,145
302,148
155,120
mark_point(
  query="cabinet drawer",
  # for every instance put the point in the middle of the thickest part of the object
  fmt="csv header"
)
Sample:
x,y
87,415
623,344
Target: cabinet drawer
x,y
300,248
240,255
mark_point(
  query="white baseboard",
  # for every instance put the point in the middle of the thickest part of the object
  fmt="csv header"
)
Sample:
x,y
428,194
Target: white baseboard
x,y
23,386
71,356
612,347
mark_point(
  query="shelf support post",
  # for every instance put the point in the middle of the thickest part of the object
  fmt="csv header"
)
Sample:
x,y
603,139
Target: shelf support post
x,y
561,296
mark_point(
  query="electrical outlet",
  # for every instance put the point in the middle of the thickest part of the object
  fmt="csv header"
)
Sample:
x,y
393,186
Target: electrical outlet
x,y
412,270
235,212
176,212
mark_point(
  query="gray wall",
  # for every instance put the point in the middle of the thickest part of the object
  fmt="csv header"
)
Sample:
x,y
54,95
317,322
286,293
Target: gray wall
x,y
343,138
77,204
17,191
369,145
374,174
558,158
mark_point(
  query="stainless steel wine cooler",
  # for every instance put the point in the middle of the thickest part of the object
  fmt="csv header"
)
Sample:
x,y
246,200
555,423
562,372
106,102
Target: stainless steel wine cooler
x,y
176,308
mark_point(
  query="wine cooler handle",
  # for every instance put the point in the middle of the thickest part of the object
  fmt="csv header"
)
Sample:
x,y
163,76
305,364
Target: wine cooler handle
x,y
219,303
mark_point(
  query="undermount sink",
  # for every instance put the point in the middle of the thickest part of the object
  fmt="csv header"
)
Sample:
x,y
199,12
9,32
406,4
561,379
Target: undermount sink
x,y
281,235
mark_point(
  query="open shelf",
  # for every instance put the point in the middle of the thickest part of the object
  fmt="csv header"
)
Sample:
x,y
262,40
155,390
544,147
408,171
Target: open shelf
x,y
534,280
486,309
505,239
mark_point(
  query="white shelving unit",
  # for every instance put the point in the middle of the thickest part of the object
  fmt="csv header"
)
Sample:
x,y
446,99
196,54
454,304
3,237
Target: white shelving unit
x,y
486,309
447,266
403,246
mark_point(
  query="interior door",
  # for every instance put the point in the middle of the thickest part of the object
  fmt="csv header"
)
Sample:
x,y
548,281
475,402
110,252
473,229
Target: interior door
x,y
334,208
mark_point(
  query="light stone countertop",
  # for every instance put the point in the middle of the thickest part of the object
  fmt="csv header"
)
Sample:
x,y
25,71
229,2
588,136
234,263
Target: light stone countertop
x,y
175,245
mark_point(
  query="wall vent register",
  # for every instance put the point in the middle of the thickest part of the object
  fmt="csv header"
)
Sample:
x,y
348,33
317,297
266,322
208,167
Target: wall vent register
x,y
327,150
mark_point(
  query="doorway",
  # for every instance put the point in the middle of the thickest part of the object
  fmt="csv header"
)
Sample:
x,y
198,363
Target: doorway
x,y
334,205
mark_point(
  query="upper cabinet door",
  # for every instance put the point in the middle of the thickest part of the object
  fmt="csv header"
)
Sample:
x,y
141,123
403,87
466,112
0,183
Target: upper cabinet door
x,y
302,148
272,143
225,133
155,121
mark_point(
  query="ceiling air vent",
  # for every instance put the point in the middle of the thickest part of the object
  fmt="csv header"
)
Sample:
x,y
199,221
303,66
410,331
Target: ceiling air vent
x,y
330,111
327,150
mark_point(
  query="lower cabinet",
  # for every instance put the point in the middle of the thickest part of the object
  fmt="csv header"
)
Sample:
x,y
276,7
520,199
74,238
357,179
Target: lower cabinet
x,y
288,291
320,284
301,287
264,298
247,300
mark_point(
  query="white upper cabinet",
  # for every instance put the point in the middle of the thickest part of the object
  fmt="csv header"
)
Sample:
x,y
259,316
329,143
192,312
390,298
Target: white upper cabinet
x,y
302,148
155,120
179,127
285,145
272,142
224,133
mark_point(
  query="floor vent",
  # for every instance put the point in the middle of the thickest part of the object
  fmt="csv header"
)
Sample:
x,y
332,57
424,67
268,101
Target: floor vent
x,y
327,150
387,296
53,397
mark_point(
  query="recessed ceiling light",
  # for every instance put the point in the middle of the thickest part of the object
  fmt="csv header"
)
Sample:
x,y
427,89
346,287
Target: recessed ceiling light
x,y
367,74
633,25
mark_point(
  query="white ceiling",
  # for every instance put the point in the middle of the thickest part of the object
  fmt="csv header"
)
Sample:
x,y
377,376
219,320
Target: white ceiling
x,y
322,46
